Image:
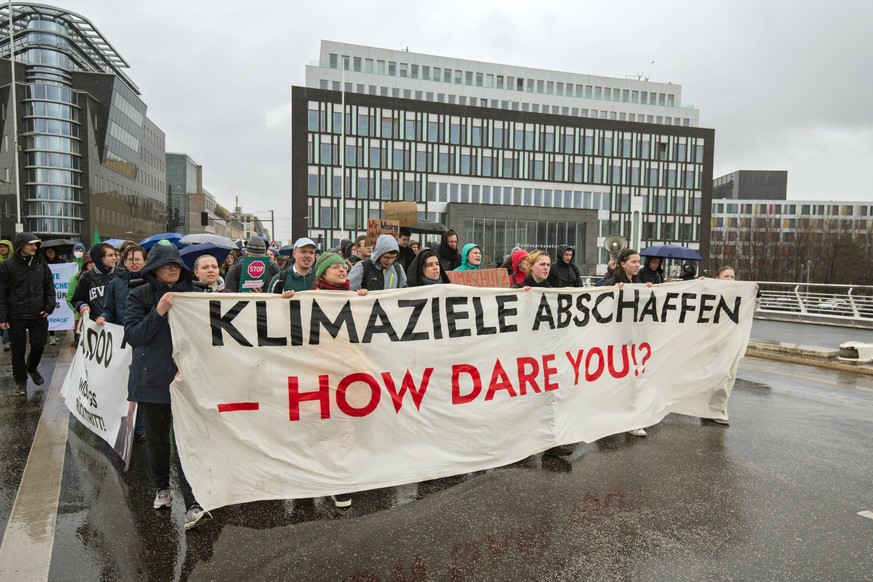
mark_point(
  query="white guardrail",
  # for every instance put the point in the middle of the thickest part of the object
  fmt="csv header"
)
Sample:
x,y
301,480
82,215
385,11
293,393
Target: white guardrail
x,y
838,304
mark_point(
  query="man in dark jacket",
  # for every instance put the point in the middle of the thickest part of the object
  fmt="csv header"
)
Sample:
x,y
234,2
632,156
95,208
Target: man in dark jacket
x,y
564,272
91,289
27,298
147,330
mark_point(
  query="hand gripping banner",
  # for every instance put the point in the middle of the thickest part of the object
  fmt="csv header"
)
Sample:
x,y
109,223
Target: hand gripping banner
x,y
330,392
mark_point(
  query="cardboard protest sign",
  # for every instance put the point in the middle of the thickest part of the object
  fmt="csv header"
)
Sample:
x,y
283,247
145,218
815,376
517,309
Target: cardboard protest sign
x,y
255,271
315,393
405,213
480,278
377,226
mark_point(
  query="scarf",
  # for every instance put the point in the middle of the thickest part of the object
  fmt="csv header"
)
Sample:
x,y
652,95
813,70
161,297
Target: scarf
x,y
322,284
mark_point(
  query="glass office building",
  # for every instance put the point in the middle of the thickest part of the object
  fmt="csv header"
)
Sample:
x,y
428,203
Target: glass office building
x,y
451,135
89,156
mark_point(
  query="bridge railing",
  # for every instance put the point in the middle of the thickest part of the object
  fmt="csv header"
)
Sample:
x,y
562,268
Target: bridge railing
x,y
845,304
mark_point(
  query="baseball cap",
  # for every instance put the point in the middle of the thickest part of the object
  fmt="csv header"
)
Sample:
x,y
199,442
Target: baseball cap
x,y
304,242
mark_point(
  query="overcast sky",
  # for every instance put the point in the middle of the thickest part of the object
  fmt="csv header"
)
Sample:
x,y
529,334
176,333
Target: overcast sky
x,y
785,85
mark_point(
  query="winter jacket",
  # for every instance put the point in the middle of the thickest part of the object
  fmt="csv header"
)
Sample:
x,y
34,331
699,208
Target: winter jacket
x,y
465,266
529,282
91,288
288,279
564,274
115,301
152,368
369,273
26,284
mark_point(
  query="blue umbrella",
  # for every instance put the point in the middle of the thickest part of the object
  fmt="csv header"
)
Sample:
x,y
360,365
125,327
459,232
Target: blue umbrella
x,y
672,252
172,237
115,242
190,254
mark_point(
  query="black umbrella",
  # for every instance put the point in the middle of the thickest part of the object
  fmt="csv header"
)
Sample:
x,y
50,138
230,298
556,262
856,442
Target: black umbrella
x,y
190,253
62,246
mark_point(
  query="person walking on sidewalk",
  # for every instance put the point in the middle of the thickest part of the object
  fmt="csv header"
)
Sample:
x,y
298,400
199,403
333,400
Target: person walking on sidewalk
x,y
27,298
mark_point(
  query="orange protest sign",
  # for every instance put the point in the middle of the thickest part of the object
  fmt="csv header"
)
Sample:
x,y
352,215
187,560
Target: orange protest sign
x,y
480,278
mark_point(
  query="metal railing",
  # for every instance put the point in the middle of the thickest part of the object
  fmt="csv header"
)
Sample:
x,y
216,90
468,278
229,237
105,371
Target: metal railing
x,y
822,303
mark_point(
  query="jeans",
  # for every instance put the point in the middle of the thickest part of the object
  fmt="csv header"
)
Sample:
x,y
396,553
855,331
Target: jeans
x,y
18,329
158,419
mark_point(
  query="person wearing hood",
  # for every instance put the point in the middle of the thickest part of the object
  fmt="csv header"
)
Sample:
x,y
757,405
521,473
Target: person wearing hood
x,y
425,269
447,250
379,271
652,271
152,369
564,272
5,249
471,258
27,298
91,288
518,259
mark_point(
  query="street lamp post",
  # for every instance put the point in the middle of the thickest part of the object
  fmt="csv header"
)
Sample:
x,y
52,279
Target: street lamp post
x,y
13,95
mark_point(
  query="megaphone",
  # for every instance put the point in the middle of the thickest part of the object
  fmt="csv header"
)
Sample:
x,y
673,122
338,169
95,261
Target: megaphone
x,y
615,243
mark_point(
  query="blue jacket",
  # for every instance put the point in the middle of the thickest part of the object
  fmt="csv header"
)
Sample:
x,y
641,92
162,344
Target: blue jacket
x,y
115,300
152,368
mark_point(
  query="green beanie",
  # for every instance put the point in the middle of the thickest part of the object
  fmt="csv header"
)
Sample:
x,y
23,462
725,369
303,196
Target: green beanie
x,y
325,261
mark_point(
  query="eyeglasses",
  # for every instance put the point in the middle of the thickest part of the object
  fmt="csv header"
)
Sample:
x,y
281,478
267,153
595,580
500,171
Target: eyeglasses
x,y
337,267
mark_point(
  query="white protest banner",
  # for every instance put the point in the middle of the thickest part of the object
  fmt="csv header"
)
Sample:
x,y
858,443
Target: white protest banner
x,y
95,389
62,316
330,392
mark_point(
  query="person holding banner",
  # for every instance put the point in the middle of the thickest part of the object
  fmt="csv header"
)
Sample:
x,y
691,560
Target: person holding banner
x,y
91,288
539,264
448,251
627,268
147,330
27,298
425,269
471,258
379,270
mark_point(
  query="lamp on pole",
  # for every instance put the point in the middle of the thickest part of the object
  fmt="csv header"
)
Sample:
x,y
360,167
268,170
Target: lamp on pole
x,y
13,96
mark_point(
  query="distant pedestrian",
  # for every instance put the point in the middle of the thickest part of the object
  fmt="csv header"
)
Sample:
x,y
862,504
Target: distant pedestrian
x,y
27,298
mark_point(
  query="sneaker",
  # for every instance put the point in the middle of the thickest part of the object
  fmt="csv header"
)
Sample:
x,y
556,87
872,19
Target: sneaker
x,y
637,432
36,377
53,340
196,516
343,500
721,420
20,389
163,498
139,435
7,347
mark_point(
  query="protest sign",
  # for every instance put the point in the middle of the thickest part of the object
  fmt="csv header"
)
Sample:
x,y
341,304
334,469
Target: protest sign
x,y
405,213
377,226
62,317
95,389
333,393
480,278
255,271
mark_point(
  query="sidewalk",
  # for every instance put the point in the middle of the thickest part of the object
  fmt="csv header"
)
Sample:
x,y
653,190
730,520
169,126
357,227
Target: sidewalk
x,y
806,343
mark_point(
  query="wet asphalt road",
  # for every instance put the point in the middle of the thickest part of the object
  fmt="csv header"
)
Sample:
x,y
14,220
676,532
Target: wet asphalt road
x,y
773,496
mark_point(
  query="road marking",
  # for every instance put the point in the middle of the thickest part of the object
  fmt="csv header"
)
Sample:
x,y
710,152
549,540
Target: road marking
x,y
26,549
867,514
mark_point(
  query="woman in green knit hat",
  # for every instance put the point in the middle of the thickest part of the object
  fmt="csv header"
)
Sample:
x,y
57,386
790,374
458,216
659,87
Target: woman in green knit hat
x,y
331,274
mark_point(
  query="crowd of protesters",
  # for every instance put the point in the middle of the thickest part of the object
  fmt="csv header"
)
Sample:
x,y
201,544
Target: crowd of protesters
x,y
133,287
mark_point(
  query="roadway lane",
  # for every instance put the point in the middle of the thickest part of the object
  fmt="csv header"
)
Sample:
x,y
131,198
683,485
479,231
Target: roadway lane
x,y
775,495
806,334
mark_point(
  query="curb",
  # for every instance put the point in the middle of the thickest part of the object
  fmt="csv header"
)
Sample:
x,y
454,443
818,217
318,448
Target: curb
x,y
805,355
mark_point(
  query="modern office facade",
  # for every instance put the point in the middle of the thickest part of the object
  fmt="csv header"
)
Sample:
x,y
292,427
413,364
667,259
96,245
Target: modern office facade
x,y
184,180
89,156
445,132
751,185
794,240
